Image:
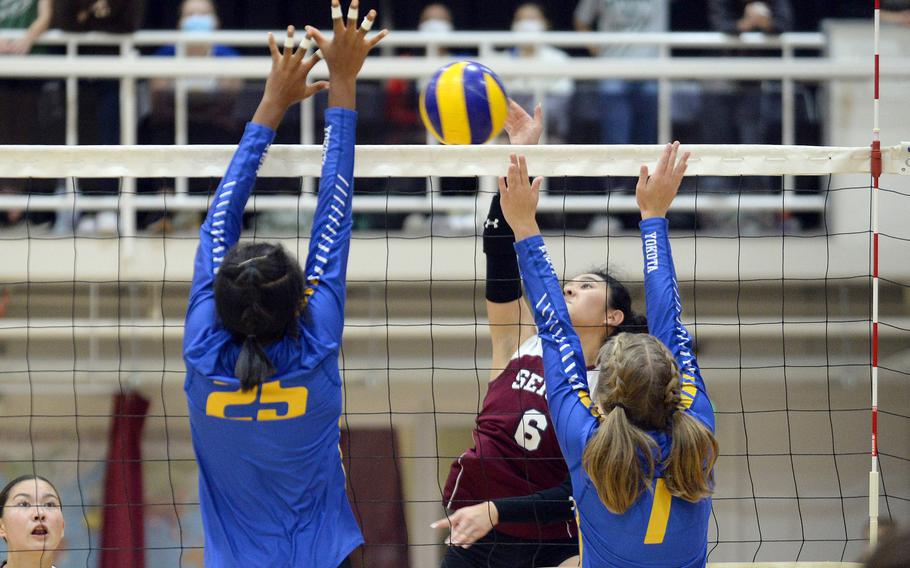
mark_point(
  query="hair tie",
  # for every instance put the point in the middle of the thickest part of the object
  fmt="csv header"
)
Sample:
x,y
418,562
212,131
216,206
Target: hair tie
x,y
249,260
620,405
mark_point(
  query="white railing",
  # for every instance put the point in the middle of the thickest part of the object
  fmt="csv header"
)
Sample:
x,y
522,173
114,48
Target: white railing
x,y
129,68
486,44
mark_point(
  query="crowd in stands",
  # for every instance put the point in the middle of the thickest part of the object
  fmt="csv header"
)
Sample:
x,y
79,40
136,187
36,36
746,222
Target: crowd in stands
x,y
611,111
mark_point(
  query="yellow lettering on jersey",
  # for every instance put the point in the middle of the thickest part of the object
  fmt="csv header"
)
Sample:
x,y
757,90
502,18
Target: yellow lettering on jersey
x,y
218,402
660,514
689,390
294,397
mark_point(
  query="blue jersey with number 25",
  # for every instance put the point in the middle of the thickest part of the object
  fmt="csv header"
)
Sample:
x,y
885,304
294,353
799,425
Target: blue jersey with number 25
x,y
659,530
271,483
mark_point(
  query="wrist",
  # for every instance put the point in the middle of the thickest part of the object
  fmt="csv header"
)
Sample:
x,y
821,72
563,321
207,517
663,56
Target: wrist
x,y
494,513
343,92
652,214
269,113
526,230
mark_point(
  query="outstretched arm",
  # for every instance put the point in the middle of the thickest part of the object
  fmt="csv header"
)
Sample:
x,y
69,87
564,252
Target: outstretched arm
x,y
220,231
326,264
564,364
654,194
510,320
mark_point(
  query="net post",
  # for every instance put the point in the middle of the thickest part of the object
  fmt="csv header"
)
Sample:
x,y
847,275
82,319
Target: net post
x,y
876,170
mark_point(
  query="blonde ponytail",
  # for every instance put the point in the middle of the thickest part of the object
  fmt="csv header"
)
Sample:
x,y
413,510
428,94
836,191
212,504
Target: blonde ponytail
x,y
689,470
639,385
613,461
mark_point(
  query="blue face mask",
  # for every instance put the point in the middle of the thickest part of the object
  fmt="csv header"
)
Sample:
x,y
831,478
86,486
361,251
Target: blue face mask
x,y
198,23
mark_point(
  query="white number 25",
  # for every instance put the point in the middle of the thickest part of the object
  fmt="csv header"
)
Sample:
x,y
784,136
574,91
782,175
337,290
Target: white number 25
x,y
533,424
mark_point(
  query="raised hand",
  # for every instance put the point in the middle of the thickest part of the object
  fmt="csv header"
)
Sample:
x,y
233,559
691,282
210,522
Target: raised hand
x,y
469,524
286,84
518,198
523,129
346,51
655,192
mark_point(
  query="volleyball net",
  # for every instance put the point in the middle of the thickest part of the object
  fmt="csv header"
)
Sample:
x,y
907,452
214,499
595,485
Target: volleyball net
x,y
774,252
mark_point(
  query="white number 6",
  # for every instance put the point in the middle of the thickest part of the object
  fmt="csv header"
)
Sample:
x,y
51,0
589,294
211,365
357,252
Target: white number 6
x,y
532,425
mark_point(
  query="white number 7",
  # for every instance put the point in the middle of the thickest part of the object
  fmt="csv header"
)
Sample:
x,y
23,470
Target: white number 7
x,y
532,425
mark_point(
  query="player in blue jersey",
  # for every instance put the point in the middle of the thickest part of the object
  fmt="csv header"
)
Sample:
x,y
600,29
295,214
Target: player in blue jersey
x,y
641,459
262,339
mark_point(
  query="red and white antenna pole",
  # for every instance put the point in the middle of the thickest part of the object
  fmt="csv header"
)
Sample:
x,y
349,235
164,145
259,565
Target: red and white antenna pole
x,y
876,168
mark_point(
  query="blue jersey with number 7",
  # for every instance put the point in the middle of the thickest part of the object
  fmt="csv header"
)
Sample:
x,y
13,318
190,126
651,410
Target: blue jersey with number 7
x,y
271,483
659,530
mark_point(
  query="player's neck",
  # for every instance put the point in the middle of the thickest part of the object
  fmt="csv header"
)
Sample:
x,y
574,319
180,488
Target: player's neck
x,y
591,341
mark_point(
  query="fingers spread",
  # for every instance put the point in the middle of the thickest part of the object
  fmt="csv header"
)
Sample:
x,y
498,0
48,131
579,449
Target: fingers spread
x,y
316,87
680,169
367,24
273,48
289,43
523,166
535,186
662,162
671,161
316,36
353,10
337,17
302,49
379,37
643,176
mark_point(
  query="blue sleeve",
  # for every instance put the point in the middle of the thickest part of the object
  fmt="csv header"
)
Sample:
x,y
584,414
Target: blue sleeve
x,y
221,228
565,372
665,316
224,51
327,261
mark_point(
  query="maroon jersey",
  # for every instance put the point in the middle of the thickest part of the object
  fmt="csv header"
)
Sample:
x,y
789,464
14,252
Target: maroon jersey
x,y
515,451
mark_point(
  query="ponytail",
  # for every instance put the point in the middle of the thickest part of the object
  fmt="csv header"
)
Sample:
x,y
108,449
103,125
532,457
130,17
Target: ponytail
x,y
258,297
619,460
632,322
253,364
689,470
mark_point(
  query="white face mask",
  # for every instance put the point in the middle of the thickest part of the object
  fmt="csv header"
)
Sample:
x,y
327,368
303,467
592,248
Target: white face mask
x,y
529,25
199,23
435,26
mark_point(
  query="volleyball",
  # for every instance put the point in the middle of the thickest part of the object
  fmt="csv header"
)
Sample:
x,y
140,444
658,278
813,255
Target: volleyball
x,y
464,103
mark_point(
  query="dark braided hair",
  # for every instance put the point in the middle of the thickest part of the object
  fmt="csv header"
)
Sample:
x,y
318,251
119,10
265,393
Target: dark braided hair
x,y
620,299
258,296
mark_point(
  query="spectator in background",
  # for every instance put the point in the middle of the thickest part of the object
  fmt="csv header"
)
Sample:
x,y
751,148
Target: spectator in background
x,y
99,100
34,16
628,108
196,16
530,18
436,19
746,112
19,99
211,116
